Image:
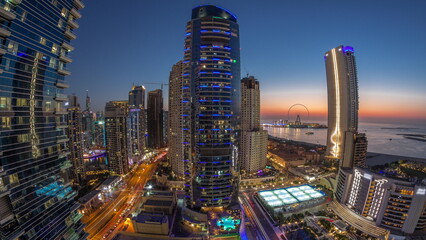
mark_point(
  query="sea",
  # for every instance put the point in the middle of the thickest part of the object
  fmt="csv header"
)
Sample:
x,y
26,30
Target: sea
x,y
382,138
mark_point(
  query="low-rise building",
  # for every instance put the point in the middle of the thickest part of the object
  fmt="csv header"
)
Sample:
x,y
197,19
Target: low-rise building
x,y
108,186
90,201
151,223
159,202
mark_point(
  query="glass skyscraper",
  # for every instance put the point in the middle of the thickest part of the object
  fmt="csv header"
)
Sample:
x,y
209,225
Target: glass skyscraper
x,y
211,107
36,199
342,91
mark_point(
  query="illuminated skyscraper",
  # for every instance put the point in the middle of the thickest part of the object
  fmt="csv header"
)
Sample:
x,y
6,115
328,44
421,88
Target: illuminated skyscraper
x,y
342,90
155,119
175,119
36,198
75,136
136,123
211,107
116,136
254,140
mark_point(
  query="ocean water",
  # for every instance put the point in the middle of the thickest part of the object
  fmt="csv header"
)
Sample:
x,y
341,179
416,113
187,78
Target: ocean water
x,y
378,138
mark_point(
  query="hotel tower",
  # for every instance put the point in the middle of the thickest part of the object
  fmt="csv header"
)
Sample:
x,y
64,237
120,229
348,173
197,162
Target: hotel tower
x,y
342,91
210,107
36,198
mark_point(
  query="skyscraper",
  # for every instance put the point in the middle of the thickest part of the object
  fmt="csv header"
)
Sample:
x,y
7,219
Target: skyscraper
x,y
75,136
155,119
254,140
36,199
136,123
116,136
137,97
211,107
175,119
87,124
342,91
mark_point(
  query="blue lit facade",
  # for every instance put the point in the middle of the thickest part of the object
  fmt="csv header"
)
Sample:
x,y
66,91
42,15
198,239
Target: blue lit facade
x,y
211,107
36,199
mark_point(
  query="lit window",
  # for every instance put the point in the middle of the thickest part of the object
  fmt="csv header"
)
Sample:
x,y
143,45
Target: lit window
x,y
43,40
64,12
5,124
60,23
55,48
5,103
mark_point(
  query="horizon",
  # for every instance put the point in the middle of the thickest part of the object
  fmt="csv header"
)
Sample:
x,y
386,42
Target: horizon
x,y
289,62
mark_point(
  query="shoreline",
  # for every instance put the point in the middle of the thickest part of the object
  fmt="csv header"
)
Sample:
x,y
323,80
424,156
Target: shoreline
x,y
373,158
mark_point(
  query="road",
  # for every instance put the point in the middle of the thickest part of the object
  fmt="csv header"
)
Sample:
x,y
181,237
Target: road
x,y
105,222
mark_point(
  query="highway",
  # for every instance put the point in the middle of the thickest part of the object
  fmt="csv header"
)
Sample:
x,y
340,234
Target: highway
x,y
105,222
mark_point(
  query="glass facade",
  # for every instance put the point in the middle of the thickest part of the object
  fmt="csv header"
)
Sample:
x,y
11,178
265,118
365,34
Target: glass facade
x,y
36,199
211,107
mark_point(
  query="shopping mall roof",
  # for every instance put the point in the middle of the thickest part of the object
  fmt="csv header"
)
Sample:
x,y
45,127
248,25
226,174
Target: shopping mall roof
x,y
290,195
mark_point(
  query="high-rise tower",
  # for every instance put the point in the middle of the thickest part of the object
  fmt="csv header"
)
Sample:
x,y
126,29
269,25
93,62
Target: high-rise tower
x,y
137,97
136,123
155,119
254,140
175,119
342,90
116,136
36,199
211,107
75,136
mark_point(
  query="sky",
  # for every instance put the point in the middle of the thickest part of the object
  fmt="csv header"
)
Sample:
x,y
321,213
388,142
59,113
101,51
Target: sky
x,y
282,45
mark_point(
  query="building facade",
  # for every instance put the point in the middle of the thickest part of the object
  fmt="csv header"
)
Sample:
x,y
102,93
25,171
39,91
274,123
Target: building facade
x,y
398,205
342,91
116,136
36,199
155,119
75,143
254,140
136,123
211,108
360,150
88,124
175,119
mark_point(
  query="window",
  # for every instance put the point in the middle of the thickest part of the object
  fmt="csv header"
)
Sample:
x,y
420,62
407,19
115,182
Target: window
x,y
55,3
55,48
5,123
53,62
5,103
64,12
21,102
48,106
43,40
23,16
60,23
12,47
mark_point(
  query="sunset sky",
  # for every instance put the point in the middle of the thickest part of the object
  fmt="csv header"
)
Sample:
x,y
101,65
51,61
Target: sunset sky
x,y
282,44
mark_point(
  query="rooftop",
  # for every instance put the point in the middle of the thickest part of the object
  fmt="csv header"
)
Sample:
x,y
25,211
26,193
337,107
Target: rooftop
x,y
161,203
290,195
110,180
150,218
89,196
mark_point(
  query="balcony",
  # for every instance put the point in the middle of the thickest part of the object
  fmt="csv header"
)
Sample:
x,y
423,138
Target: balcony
x,y
61,97
73,24
62,139
70,35
64,72
2,171
6,14
63,154
65,59
62,85
78,4
65,165
4,33
60,111
67,46
76,14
